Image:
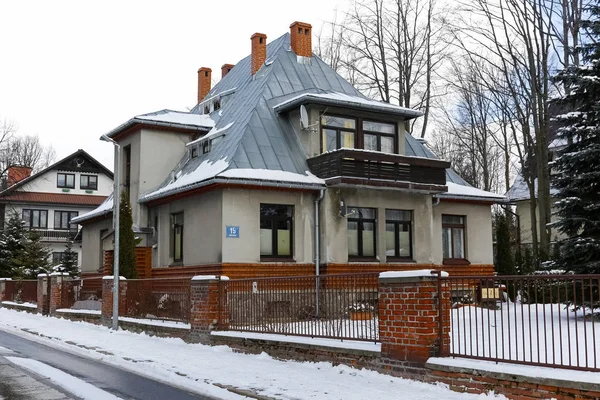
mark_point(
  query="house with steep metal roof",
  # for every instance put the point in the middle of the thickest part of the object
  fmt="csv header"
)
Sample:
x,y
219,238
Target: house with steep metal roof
x,y
49,199
284,168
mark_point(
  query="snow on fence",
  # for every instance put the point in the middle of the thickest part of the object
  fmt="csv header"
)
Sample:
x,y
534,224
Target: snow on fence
x,y
164,298
546,320
21,291
330,306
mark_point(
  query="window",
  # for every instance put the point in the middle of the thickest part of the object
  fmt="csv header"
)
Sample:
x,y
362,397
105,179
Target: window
x,y
337,132
127,182
194,151
57,257
361,232
276,232
89,182
62,218
378,136
35,218
453,236
177,237
398,234
206,147
65,181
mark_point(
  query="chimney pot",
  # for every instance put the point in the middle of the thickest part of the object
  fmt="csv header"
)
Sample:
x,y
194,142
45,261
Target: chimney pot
x,y
17,173
225,69
259,51
204,82
301,38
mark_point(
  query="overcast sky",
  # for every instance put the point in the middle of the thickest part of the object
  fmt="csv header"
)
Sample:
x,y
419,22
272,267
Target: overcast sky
x,y
73,70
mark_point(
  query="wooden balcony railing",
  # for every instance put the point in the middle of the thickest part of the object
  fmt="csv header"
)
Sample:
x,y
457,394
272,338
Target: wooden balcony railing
x,y
353,166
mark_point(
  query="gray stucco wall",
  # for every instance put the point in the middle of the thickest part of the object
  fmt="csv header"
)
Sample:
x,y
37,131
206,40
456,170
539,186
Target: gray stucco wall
x,y
92,247
242,208
479,249
201,236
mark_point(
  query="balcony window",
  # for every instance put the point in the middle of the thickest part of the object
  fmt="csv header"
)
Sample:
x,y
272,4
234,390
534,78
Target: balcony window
x,y
35,219
65,181
398,234
62,218
453,237
276,231
337,133
379,136
362,238
89,182
177,237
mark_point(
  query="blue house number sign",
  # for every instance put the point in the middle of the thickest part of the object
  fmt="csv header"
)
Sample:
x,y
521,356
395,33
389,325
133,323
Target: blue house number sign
x,y
232,231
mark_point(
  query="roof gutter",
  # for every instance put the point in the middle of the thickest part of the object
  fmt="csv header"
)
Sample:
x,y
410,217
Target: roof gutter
x,y
86,217
472,198
146,122
236,181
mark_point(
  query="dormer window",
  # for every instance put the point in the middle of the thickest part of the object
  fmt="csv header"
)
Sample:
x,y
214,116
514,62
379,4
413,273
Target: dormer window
x,y
344,132
206,147
194,152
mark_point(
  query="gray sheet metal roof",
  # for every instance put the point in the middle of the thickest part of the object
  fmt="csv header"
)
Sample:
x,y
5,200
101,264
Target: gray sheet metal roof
x,y
257,136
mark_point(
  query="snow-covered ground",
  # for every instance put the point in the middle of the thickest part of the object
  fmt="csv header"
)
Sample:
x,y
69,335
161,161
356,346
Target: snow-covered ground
x,y
544,333
201,368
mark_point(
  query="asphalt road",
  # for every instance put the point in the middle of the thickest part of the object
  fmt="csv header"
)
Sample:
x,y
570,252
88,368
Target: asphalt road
x,y
118,382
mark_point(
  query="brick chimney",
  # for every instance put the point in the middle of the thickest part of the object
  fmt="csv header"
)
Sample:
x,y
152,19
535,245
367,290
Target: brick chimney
x,y
16,174
301,38
259,51
225,69
203,82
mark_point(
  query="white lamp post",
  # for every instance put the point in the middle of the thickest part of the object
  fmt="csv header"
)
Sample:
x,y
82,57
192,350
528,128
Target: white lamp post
x,y
116,212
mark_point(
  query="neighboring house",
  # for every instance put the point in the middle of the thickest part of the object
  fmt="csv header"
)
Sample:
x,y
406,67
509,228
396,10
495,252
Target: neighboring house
x,y
235,186
519,196
50,198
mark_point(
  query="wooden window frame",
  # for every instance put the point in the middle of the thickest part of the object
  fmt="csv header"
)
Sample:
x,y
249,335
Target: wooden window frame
x,y
70,215
66,185
274,220
29,223
88,186
397,223
452,260
173,233
360,228
359,132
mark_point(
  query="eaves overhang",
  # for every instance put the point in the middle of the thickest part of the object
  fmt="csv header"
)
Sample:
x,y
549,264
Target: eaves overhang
x,y
136,123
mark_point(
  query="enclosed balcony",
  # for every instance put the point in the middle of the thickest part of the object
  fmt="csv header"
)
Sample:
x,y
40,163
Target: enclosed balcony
x,y
363,167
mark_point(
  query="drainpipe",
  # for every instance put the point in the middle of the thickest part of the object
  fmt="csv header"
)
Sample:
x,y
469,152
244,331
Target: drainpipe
x,y
317,249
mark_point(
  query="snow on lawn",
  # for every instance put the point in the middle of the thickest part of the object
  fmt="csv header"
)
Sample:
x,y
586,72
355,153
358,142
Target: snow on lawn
x,y
544,333
199,367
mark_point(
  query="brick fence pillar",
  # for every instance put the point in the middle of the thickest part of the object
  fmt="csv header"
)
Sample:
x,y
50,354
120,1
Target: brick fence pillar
x,y
208,306
56,288
107,298
3,295
42,294
409,317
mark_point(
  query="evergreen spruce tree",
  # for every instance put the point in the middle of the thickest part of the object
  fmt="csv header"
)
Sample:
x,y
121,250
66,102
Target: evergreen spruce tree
x,y
12,241
577,166
127,242
68,261
505,263
31,258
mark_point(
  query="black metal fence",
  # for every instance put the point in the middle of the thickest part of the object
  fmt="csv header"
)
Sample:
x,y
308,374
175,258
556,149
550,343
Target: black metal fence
x,y
329,306
545,320
164,298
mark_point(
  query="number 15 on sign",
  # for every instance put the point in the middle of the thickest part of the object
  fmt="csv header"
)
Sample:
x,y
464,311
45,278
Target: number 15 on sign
x,y
232,231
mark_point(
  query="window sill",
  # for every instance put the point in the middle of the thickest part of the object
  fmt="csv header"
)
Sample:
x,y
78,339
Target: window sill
x,y
363,259
176,264
400,260
456,261
277,259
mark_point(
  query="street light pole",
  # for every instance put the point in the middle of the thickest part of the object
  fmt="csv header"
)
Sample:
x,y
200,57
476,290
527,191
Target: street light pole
x,y
116,215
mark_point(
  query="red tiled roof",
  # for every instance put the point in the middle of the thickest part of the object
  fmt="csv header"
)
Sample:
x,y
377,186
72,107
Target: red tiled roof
x,y
58,198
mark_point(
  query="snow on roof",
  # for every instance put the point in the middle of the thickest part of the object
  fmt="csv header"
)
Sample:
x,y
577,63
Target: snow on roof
x,y
178,117
519,190
428,273
272,175
213,133
461,191
556,143
102,209
347,101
